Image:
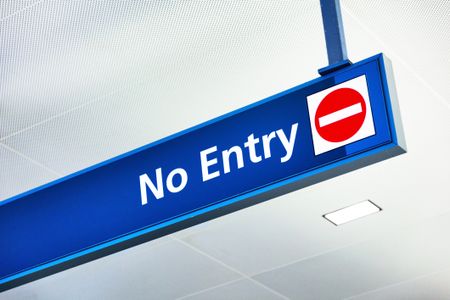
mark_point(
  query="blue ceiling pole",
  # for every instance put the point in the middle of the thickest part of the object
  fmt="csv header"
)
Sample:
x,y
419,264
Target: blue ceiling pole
x,y
334,36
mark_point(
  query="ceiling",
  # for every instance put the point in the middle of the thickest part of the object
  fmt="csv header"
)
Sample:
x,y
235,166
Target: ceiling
x,y
84,81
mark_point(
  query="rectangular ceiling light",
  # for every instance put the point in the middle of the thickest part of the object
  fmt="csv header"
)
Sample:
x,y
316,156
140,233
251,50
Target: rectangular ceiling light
x,y
352,212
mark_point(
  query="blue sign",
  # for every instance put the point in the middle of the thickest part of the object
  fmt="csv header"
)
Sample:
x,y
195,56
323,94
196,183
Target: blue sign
x,y
331,125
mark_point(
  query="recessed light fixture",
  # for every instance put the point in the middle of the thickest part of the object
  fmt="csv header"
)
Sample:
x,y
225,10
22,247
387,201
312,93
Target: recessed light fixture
x,y
352,212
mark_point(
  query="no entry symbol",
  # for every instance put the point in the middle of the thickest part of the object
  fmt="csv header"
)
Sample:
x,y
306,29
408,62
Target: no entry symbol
x,y
340,115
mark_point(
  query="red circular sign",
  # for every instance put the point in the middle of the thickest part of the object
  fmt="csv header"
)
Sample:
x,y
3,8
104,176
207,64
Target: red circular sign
x,y
340,115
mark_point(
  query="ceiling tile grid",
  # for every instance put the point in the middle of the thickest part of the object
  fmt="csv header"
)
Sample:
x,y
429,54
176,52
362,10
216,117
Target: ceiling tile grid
x,y
239,290
19,173
366,266
164,270
430,286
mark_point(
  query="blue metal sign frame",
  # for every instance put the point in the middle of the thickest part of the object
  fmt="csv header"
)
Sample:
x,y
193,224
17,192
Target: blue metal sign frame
x,y
98,211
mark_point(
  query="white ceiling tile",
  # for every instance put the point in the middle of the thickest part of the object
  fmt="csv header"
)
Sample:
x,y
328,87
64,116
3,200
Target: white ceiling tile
x,y
55,57
156,270
243,289
366,266
19,174
273,233
10,8
434,286
221,73
418,32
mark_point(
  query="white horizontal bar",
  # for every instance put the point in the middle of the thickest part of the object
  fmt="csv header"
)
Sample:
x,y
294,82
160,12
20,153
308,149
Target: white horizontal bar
x,y
340,114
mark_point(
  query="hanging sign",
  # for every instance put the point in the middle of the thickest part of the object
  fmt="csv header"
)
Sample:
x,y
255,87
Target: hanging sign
x,y
331,125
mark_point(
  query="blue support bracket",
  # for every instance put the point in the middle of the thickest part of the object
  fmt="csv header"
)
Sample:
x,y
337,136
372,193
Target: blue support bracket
x,y
334,36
